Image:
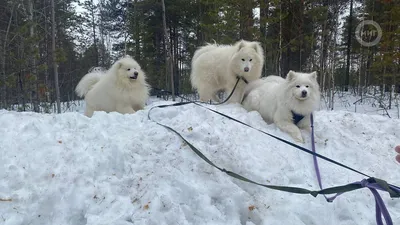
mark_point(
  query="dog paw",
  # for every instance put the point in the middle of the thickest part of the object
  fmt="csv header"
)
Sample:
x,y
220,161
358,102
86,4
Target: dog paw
x,y
299,139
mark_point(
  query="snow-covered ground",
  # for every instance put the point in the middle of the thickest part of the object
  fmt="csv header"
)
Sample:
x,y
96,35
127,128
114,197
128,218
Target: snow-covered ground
x,y
372,103
369,104
125,169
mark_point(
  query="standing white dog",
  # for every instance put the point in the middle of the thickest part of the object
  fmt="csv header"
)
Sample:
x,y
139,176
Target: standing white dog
x,y
286,102
122,88
216,68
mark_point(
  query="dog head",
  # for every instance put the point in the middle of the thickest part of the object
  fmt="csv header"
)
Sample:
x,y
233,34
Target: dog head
x,y
128,68
248,58
303,85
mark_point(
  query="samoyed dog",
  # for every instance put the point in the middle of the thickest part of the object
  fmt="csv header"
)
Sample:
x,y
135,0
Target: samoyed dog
x,y
286,102
122,88
216,68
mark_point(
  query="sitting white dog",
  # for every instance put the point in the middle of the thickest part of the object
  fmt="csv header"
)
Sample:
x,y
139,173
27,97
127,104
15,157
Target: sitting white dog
x,y
216,68
286,102
122,88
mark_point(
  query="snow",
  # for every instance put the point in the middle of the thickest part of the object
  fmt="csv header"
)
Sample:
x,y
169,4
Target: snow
x,y
371,103
125,169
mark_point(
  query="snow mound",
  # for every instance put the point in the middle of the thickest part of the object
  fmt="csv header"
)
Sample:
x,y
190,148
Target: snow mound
x,y
125,169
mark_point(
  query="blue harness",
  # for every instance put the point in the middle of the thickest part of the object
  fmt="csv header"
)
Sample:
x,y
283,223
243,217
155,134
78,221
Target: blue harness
x,y
296,117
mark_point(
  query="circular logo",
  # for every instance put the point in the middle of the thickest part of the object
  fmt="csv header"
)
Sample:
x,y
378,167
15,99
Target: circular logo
x,y
368,34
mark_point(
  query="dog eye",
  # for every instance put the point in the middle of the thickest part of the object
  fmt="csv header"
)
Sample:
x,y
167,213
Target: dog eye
x,y
242,59
307,86
129,69
298,86
250,60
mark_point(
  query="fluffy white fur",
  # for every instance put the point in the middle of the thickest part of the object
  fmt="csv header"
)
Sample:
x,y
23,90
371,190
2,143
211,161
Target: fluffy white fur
x,y
216,67
275,98
122,88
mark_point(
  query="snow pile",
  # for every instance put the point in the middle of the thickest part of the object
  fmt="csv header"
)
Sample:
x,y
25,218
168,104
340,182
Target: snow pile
x,y
124,169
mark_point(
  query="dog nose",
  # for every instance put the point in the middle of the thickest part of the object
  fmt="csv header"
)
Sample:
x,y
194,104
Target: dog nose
x,y
304,93
135,73
246,69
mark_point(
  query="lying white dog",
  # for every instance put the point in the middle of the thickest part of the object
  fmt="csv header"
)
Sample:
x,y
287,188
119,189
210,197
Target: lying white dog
x,y
122,88
286,102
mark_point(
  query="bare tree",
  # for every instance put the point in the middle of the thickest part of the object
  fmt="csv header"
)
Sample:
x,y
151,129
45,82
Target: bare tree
x,y
55,65
102,49
167,46
264,7
92,13
3,60
347,82
331,84
34,85
280,41
136,33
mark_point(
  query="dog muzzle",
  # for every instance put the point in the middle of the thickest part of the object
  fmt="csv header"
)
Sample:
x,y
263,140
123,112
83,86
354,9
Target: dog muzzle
x,y
134,76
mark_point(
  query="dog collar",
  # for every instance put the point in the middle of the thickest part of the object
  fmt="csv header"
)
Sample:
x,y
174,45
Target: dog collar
x,y
242,78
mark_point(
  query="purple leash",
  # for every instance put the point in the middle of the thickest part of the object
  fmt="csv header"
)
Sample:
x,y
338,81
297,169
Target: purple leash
x,y
380,208
315,159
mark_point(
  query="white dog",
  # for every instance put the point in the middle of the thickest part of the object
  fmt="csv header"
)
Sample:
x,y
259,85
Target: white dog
x,y
216,68
122,88
286,102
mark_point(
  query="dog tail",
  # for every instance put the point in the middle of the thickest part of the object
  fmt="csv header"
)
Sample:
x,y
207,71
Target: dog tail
x,y
251,86
204,49
87,82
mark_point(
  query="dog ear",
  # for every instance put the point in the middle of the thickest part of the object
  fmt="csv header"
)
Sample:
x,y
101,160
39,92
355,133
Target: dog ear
x,y
314,75
291,74
240,45
256,46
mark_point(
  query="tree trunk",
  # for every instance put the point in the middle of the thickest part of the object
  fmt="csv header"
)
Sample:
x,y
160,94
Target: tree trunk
x,y
176,61
169,63
280,41
312,66
322,57
199,32
102,50
34,74
3,62
347,82
333,65
55,66
21,88
94,34
246,19
264,8
361,60
383,89
137,31
47,52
